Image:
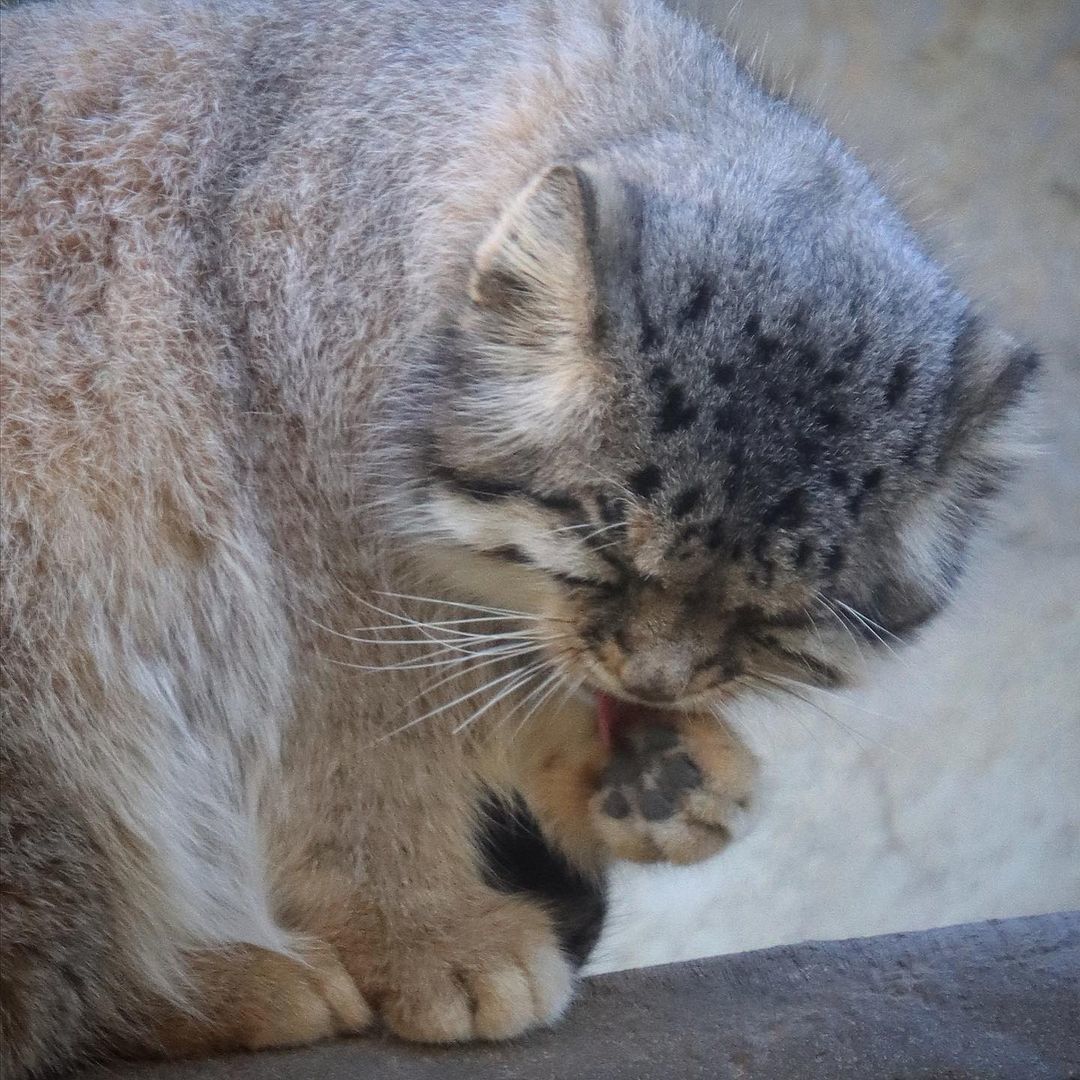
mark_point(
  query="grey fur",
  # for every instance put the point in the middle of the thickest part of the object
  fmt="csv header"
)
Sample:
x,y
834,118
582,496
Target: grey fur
x,y
306,302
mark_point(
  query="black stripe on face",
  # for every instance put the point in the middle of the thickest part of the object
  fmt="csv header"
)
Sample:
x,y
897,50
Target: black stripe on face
x,y
488,489
516,858
811,669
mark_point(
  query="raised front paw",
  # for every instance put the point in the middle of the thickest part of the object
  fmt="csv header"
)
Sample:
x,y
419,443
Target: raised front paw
x,y
675,794
491,972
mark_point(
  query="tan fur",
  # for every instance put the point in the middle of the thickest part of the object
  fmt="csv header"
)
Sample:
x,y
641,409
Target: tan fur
x,y
228,233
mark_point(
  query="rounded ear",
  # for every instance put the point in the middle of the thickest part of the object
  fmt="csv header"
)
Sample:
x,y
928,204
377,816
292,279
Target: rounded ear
x,y
532,275
992,378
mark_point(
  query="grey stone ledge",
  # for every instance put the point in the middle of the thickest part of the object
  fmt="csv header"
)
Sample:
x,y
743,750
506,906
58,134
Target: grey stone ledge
x,y
998,1000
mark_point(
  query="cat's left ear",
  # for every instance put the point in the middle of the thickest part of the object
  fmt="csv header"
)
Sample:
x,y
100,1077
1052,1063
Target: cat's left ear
x,y
532,281
538,377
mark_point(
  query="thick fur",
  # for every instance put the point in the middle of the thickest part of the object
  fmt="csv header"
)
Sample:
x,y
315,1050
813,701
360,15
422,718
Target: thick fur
x,y
308,303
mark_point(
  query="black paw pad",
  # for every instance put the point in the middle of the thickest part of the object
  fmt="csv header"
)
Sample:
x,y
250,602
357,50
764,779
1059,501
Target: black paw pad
x,y
649,775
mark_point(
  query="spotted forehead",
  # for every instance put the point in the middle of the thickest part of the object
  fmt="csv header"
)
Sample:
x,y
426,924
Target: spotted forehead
x,y
771,449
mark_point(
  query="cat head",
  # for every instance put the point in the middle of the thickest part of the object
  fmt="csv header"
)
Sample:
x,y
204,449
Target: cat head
x,y
726,428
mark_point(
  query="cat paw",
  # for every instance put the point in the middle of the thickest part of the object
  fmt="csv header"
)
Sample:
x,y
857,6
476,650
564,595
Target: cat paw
x,y
248,998
492,978
674,794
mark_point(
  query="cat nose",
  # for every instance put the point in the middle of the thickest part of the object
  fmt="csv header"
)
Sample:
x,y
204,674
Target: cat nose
x,y
658,675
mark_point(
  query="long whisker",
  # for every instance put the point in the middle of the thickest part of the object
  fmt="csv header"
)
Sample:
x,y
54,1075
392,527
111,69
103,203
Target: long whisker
x,y
454,675
449,705
523,678
459,657
458,603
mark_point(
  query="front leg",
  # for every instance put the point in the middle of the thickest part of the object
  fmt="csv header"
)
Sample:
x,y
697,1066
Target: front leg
x,y
442,948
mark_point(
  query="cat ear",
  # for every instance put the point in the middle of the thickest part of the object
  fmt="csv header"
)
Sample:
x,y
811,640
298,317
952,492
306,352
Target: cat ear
x,y
533,318
532,280
991,382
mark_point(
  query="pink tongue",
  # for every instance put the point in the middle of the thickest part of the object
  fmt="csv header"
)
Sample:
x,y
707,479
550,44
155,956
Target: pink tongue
x,y
613,715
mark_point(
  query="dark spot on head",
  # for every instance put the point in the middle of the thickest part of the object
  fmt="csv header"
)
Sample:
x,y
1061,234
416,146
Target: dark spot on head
x,y
611,510
872,479
839,479
809,357
660,375
676,412
752,326
558,500
834,560
803,553
723,373
698,304
898,382
766,348
761,548
832,419
714,535
834,376
646,481
685,502
509,553
807,449
788,512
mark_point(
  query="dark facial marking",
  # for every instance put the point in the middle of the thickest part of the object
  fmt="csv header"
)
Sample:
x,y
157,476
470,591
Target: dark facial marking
x,y
803,554
807,449
760,550
834,560
558,500
676,412
723,373
685,502
789,512
871,480
646,481
810,357
839,479
834,376
766,348
611,511
714,534
660,375
832,419
698,305
898,382
509,553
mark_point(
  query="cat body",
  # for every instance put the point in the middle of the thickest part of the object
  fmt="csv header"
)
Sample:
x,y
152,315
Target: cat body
x,y
335,337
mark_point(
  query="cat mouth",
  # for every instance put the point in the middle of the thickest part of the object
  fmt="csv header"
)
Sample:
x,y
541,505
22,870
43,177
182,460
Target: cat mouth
x,y
614,715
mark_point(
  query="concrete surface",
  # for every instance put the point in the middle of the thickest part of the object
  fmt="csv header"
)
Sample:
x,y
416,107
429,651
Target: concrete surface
x,y
948,790
994,1001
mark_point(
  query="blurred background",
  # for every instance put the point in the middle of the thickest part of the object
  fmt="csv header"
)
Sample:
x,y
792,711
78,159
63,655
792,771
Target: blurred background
x,y
948,788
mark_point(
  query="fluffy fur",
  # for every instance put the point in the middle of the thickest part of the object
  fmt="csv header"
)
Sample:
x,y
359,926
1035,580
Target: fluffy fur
x,y
314,309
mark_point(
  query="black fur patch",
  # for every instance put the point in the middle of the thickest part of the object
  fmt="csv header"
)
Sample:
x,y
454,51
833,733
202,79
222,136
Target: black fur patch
x,y
898,382
685,501
646,481
676,412
803,553
699,303
788,512
516,858
723,373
